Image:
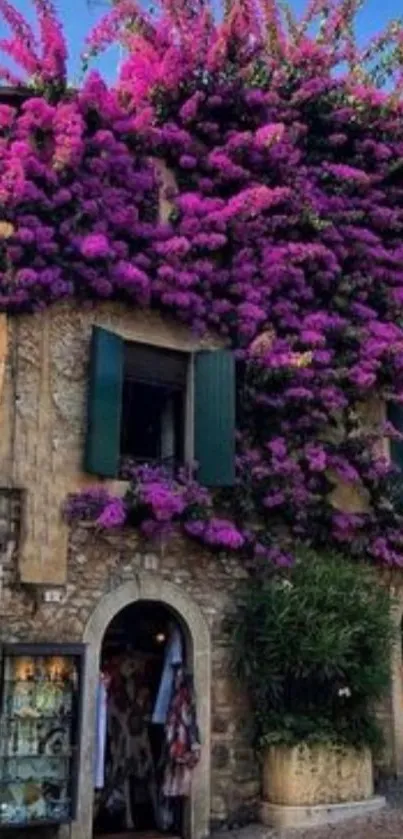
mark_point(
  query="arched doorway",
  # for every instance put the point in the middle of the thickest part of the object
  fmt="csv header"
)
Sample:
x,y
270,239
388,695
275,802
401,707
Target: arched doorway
x,y
152,589
143,647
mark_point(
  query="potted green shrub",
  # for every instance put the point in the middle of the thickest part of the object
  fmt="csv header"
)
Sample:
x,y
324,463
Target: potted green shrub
x,y
313,649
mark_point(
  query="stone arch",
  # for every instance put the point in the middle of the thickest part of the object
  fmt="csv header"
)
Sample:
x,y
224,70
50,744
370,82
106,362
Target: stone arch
x,y
152,588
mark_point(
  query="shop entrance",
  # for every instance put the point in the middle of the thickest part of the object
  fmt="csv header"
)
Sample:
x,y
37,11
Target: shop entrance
x,y
146,716
147,588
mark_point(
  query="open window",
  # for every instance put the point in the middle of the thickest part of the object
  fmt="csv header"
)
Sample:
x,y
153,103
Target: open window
x,y
158,405
154,408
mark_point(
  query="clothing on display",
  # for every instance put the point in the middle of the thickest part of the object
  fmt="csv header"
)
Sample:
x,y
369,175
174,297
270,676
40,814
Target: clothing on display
x,y
130,775
101,730
182,737
147,741
173,658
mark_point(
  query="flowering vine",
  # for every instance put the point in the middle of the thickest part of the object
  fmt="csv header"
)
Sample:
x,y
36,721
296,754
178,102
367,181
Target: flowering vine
x,y
157,502
284,235
44,64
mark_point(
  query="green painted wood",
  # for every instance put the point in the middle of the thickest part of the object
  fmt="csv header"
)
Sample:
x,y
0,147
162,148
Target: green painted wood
x,y
102,450
214,418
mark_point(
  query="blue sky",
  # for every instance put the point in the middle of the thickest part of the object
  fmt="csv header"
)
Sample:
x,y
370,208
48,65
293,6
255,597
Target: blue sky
x,y
78,18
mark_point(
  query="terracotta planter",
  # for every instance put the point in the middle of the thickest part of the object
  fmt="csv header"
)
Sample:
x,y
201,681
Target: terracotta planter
x,y
319,774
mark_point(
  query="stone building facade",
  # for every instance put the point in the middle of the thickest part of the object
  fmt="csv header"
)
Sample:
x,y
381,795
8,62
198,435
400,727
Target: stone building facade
x,y
107,572
61,584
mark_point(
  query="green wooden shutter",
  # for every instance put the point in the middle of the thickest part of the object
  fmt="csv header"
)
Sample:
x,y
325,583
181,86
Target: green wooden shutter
x,y
215,417
102,450
395,416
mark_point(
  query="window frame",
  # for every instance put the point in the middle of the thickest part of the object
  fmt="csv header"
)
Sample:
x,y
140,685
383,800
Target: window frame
x,y
209,433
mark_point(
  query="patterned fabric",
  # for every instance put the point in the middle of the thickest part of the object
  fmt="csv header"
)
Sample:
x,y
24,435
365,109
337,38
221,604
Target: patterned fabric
x,y
182,737
130,781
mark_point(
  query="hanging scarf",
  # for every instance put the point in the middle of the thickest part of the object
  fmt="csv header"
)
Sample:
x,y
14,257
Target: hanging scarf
x,y
182,737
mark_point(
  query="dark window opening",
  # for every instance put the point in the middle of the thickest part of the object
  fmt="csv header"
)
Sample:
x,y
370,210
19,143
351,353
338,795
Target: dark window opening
x,y
154,405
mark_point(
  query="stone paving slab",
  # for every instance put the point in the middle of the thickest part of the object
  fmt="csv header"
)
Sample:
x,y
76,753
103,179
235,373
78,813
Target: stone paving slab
x,y
386,824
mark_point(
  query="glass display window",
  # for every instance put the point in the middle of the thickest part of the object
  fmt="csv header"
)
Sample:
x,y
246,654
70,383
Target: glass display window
x,y
40,710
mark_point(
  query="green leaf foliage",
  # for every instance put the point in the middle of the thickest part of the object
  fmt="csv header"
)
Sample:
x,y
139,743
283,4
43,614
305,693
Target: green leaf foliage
x,y
313,648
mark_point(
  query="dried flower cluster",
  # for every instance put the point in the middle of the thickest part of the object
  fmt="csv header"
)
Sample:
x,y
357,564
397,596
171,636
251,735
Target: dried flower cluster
x,y
285,234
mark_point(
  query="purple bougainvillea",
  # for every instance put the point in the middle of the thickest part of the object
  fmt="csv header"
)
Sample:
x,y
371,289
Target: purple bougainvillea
x,y
285,236
158,502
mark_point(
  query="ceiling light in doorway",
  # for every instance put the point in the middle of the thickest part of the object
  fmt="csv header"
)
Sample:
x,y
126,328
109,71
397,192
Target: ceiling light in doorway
x,y
160,638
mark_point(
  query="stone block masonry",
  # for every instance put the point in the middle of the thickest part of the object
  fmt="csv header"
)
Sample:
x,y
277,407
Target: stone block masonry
x,y
43,387
100,564
44,361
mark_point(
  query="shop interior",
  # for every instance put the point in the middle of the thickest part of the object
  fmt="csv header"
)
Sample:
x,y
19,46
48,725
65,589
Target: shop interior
x,y
143,648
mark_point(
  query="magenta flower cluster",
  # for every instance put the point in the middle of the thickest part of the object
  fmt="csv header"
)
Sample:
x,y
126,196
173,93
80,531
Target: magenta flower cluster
x,y
42,58
285,236
157,502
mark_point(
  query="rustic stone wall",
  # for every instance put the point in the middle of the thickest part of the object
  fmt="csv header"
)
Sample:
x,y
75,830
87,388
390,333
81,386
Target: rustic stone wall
x,y
43,386
43,414
98,564
389,760
43,389
391,710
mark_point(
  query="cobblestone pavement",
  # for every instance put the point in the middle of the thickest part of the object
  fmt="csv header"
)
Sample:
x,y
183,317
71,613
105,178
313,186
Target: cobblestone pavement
x,y
385,824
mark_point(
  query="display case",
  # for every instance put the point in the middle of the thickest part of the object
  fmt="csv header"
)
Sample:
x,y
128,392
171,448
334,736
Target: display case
x,y
40,710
